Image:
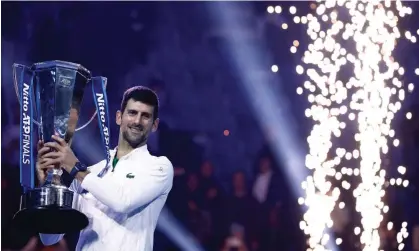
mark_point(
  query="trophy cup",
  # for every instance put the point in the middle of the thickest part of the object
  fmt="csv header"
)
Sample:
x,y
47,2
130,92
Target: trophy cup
x,y
50,95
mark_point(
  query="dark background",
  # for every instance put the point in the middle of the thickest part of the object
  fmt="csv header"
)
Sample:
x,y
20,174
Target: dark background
x,y
179,50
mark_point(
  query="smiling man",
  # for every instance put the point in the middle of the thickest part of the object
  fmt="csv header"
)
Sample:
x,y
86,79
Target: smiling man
x,y
122,205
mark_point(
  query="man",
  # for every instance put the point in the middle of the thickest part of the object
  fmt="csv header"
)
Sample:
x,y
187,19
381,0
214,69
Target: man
x,y
124,204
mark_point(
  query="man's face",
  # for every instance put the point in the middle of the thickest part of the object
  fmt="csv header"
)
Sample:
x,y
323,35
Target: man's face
x,y
136,122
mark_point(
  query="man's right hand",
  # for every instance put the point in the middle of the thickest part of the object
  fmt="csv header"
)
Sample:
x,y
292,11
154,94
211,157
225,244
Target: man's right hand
x,y
42,164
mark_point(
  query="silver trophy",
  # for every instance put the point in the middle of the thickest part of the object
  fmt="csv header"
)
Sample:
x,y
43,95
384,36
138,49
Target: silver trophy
x,y
50,95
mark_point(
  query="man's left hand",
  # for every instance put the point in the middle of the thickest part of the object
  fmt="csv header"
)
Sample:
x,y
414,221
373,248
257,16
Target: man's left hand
x,y
63,155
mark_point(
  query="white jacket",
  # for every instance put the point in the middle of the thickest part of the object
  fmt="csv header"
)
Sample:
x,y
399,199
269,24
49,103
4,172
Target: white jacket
x,y
123,206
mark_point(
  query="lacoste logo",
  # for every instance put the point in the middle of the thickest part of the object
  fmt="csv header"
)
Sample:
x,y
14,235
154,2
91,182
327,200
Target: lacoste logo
x,y
130,176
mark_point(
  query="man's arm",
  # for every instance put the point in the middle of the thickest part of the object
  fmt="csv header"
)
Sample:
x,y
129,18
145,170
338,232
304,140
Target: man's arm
x,y
138,191
134,193
81,175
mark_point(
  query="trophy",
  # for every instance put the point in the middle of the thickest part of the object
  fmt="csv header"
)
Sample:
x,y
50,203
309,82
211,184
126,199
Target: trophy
x,y
50,95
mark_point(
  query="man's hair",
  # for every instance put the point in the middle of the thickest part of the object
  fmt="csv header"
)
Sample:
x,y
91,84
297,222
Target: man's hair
x,y
144,95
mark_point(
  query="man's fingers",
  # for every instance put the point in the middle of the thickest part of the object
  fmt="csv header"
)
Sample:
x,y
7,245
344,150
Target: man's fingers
x,y
43,151
52,155
46,167
49,162
60,140
40,144
54,145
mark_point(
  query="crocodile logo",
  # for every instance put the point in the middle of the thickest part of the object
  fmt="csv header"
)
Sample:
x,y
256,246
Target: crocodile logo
x,y
130,176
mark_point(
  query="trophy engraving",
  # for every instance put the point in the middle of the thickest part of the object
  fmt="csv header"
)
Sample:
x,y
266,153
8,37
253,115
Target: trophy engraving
x,y
50,95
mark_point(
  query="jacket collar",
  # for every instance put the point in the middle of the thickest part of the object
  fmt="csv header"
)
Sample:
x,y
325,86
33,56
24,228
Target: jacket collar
x,y
138,150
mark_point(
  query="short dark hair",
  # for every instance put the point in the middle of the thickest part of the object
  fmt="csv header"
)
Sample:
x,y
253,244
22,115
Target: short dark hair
x,y
144,95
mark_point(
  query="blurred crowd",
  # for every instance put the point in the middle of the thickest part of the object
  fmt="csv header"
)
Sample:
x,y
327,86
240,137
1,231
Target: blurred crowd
x,y
254,215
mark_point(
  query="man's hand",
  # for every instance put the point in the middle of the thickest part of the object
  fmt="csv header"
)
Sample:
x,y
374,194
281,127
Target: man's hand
x,y
42,164
62,156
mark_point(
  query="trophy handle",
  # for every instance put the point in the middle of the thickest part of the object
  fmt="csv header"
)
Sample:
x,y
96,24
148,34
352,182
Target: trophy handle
x,y
93,116
18,71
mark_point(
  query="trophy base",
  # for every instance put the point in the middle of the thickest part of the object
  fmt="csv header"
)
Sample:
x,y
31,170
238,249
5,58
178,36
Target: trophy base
x,y
50,220
49,210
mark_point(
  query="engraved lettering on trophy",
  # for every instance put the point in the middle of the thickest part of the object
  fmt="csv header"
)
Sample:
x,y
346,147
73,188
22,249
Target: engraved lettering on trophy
x,y
65,81
26,126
